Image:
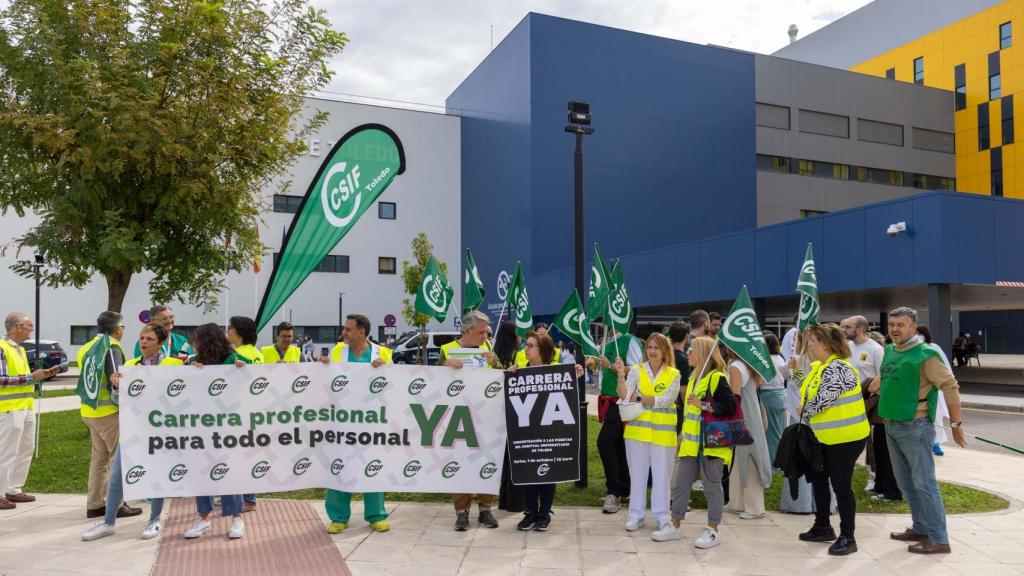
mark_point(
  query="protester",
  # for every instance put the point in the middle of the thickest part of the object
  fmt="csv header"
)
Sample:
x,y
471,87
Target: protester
x,y
699,324
878,338
540,351
510,497
714,324
611,445
17,410
833,406
912,377
707,391
539,328
151,344
176,344
307,349
242,335
475,327
773,396
751,471
678,334
650,438
283,351
795,362
941,411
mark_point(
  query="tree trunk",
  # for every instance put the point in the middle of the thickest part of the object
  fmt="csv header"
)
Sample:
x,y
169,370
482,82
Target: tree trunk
x,y
117,287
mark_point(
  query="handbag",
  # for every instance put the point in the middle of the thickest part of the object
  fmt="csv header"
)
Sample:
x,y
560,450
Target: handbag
x,y
630,410
725,431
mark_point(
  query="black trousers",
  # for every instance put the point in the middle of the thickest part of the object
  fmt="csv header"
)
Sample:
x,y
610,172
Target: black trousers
x,y
839,462
885,480
612,448
545,494
510,496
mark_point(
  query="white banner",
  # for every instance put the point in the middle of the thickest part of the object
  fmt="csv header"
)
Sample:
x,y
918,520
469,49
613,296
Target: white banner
x,y
188,431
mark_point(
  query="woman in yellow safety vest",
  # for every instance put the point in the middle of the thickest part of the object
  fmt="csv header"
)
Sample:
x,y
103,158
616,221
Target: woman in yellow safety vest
x,y
650,438
832,404
707,391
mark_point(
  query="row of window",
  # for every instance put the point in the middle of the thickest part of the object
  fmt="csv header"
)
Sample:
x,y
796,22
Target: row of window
x,y
290,205
994,80
784,165
339,264
1006,105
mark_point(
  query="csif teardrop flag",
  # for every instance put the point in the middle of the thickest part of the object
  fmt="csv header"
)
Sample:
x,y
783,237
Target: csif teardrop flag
x,y
434,296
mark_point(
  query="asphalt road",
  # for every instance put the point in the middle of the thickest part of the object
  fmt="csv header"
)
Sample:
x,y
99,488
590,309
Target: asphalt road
x,y
1002,427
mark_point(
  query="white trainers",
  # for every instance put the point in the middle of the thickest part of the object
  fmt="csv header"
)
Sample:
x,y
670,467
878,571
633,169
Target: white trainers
x,y
667,532
634,525
98,531
708,539
152,530
612,504
199,527
752,516
698,486
237,528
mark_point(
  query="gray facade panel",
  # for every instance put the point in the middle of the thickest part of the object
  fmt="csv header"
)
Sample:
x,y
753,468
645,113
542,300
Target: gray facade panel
x,y
781,197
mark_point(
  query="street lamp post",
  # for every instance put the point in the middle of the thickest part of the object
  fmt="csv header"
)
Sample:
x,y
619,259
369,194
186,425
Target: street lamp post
x,y
38,269
579,124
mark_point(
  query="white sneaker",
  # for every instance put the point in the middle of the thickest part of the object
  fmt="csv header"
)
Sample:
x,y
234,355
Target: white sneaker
x,y
98,531
870,486
152,530
708,539
752,516
698,486
199,527
634,525
237,528
612,504
667,532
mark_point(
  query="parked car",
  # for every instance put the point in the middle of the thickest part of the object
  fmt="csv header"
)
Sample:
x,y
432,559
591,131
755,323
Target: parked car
x,y
407,346
53,354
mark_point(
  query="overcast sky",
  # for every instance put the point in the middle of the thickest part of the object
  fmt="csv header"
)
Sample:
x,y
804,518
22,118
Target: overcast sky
x,y
420,50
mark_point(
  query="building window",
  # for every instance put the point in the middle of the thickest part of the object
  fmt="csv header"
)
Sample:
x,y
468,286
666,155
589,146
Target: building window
x,y
288,204
983,123
1005,35
766,163
813,122
960,77
880,132
890,74
386,265
919,70
862,174
771,116
809,213
997,171
337,263
806,168
82,334
995,87
387,210
1007,104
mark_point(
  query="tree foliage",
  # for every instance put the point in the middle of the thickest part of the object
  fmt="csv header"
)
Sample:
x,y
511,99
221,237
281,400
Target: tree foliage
x,y
142,131
412,275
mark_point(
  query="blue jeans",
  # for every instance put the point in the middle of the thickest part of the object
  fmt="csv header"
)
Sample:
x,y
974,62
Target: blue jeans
x,y
229,505
910,448
249,498
115,493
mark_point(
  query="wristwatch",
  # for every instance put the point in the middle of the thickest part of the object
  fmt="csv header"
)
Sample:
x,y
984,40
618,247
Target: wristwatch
x,y
955,425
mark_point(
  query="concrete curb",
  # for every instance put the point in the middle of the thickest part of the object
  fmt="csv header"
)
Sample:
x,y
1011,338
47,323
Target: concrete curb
x,y
994,407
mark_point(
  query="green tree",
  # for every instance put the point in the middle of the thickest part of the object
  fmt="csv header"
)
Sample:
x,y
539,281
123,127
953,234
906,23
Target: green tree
x,y
412,275
142,131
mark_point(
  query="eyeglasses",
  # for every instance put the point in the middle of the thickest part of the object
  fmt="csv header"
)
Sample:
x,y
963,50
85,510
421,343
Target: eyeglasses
x,y
530,345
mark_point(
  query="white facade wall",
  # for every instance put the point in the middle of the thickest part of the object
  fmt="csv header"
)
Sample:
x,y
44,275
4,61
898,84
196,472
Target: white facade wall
x,y
427,195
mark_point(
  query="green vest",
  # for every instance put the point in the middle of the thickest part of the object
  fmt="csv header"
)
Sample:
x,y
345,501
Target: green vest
x,y
901,383
105,406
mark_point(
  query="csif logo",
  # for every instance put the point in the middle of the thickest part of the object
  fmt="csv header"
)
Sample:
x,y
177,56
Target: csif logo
x,y
412,468
492,389
378,384
543,469
301,466
618,305
175,388
488,470
450,469
660,387
337,466
742,326
90,377
259,386
136,388
260,469
134,474
340,195
339,383
435,293
178,471
219,471
456,388
373,468
217,387
416,386
300,384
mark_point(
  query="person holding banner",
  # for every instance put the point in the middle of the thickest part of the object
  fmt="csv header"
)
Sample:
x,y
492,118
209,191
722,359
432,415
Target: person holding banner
x,y
242,335
176,344
751,472
651,437
832,404
152,341
707,391
283,350
540,351
540,329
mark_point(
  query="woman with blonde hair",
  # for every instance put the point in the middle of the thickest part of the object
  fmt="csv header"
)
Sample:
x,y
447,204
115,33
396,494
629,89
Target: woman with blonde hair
x,y
650,438
751,472
708,391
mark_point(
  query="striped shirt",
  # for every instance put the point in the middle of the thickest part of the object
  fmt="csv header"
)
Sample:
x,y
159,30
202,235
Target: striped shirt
x,y
5,379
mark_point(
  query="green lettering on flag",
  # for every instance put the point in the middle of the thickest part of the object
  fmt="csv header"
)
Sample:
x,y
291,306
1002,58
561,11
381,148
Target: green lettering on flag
x,y
520,302
90,376
620,310
572,321
597,294
742,334
435,294
807,287
359,168
473,288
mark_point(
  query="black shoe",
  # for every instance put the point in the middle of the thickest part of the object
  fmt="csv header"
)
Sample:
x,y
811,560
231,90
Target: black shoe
x,y
819,534
843,546
126,511
487,519
95,512
462,521
542,524
529,519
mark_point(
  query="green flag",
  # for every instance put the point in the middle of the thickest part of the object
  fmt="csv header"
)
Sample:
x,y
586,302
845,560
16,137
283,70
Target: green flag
x,y
572,321
807,287
434,295
473,288
597,294
360,166
742,334
520,302
620,310
90,375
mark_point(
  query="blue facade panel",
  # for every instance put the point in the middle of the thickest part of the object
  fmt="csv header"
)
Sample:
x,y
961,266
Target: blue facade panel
x,y
1009,238
739,262
845,241
889,259
771,262
976,248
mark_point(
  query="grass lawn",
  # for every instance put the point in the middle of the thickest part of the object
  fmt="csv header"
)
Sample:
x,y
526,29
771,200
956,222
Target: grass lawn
x,y
63,466
58,393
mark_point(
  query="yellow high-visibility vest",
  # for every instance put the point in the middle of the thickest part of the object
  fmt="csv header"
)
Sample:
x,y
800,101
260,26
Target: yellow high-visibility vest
x,y
339,354
521,357
654,425
844,421
15,398
165,361
250,353
292,356
690,442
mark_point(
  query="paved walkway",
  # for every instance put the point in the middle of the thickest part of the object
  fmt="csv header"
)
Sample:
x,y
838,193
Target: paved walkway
x,y
42,538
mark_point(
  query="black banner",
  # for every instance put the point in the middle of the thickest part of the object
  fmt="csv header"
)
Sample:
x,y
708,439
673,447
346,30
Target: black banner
x,y
542,415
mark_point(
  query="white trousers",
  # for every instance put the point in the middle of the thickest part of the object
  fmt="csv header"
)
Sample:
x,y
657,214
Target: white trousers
x,y
645,458
17,436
